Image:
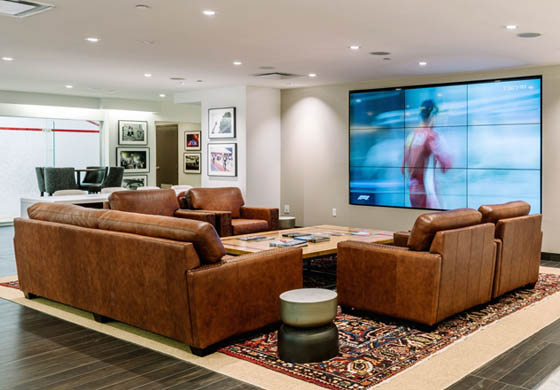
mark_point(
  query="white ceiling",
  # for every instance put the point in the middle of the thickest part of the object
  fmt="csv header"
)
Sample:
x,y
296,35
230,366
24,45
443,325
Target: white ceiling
x,y
296,36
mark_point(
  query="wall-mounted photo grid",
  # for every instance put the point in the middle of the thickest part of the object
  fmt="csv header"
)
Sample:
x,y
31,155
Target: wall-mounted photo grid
x,y
447,146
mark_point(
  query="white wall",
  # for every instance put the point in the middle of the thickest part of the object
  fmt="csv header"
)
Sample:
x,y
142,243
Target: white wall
x,y
315,153
263,147
108,110
218,98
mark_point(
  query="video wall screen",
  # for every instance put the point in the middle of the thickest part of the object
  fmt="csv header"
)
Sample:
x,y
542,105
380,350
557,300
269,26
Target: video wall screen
x,y
447,146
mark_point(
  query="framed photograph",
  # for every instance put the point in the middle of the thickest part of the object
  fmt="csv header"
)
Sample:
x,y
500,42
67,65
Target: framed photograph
x,y
133,133
192,140
191,162
222,160
134,160
135,182
221,122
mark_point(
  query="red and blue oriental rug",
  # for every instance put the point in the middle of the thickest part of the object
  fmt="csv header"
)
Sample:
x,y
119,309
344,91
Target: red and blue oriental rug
x,y
374,349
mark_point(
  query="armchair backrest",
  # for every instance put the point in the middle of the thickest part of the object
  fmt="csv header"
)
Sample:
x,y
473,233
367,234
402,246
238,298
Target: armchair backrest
x,y
155,202
495,212
467,267
219,199
427,225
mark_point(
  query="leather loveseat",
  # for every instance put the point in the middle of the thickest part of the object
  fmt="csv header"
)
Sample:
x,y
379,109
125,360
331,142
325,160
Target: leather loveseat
x,y
166,275
519,241
446,268
232,217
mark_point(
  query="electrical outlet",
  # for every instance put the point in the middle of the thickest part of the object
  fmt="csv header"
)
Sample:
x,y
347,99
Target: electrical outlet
x,y
334,212
286,209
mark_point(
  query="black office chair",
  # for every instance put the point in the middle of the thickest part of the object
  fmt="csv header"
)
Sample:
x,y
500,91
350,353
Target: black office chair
x,y
92,180
113,178
40,172
59,179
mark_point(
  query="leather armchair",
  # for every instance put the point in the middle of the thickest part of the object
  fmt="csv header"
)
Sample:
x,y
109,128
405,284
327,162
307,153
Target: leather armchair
x,y
519,240
447,267
232,217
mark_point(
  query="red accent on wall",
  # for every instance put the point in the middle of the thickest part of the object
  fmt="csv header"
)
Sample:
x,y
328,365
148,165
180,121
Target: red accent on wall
x,y
54,130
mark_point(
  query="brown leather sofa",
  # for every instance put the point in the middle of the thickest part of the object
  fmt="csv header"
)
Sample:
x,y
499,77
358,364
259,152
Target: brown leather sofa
x,y
519,240
162,202
446,268
232,217
166,275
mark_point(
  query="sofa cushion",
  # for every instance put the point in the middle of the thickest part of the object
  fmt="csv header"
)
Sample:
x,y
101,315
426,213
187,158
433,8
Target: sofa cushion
x,y
427,225
494,212
201,234
155,202
66,213
248,226
219,199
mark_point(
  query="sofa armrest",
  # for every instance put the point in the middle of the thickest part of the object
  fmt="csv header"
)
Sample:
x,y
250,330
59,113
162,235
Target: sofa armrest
x,y
270,215
389,280
401,239
241,294
196,215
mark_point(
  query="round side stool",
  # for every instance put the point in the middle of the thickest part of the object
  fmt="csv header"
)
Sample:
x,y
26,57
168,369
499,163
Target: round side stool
x,y
308,333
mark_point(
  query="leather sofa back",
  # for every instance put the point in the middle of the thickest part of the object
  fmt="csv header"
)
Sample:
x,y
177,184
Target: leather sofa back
x,y
219,199
427,225
65,213
494,212
201,234
155,202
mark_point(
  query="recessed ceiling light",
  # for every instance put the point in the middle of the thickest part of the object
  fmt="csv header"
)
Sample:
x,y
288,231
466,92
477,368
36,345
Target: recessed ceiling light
x,y
511,27
147,75
68,86
312,75
237,63
92,39
142,6
422,63
354,47
7,59
379,53
161,95
209,12
199,81
529,35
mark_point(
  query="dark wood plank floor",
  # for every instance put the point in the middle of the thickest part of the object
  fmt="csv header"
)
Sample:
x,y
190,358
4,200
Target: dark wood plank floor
x,y
533,364
38,351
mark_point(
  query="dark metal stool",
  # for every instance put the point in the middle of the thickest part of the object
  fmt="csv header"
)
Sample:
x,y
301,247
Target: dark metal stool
x,y
308,333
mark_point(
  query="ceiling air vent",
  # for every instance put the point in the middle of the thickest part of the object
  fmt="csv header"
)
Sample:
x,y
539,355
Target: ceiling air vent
x,y
276,75
21,9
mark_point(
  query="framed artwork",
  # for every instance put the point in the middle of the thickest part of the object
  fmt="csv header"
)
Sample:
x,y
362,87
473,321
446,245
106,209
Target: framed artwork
x,y
222,160
135,182
191,162
133,133
221,122
134,160
192,140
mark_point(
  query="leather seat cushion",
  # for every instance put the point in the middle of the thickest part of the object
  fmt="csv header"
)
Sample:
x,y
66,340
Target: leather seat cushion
x,y
66,213
201,234
155,202
494,212
427,225
248,226
218,199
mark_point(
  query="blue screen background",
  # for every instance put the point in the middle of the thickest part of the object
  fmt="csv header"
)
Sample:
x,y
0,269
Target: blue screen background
x,y
486,135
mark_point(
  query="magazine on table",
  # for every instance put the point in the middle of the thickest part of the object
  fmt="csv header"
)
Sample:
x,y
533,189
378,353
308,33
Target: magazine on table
x,y
283,243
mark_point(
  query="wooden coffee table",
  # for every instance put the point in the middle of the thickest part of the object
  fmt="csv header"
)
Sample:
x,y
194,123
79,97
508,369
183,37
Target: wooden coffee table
x,y
235,246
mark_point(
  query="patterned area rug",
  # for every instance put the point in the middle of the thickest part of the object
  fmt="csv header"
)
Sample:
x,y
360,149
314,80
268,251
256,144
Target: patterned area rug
x,y
374,349
12,284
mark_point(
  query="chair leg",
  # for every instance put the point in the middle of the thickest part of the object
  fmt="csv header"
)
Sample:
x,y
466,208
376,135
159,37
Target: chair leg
x,y
100,318
29,295
204,351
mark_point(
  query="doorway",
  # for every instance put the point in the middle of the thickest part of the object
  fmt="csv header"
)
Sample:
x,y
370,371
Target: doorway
x,y
167,161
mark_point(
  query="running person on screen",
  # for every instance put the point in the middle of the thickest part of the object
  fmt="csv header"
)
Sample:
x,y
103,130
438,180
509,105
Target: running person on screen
x,y
423,143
